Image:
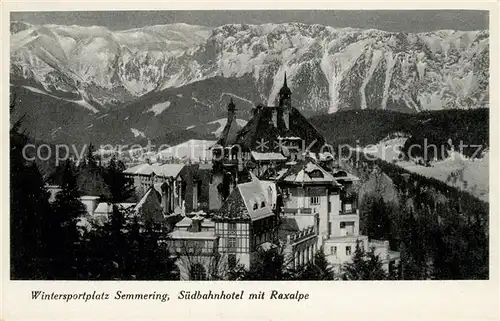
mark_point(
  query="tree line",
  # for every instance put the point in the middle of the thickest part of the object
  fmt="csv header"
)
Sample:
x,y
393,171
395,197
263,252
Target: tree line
x,y
49,241
440,231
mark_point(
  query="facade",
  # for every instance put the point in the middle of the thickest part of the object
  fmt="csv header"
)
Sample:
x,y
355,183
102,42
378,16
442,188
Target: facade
x,y
194,242
269,184
317,207
144,176
245,222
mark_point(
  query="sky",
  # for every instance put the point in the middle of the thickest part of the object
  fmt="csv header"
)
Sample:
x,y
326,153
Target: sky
x,y
389,20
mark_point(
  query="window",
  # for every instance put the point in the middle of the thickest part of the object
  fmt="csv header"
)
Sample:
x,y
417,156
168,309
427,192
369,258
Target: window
x,y
231,242
255,206
198,272
195,195
316,174
342,224
314,200
232,228
269,194
347,250
231,261
262,204
333,250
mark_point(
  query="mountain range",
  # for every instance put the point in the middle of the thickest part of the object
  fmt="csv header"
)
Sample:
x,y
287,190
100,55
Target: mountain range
x,y
80,84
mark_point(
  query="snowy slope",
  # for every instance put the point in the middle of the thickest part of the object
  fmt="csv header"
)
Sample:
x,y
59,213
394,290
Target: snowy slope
x,y
457,170
194,150
329,69
109,66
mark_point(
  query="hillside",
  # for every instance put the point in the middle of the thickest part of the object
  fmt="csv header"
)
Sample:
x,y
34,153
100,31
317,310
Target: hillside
x,y
370,127
390,136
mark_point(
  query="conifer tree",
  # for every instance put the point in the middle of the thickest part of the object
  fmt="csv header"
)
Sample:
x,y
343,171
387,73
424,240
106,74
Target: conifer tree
x,y
320,269
269,265
364,266
91,176
29,212
121,188
65,236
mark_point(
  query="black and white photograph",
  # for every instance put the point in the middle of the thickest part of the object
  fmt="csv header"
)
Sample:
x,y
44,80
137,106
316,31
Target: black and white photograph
x,y
249,145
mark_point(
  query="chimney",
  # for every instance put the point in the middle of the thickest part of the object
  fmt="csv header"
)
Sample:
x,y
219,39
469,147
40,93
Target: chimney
x,y
196,224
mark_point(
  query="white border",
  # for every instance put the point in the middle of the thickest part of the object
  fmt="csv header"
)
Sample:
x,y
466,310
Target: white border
x,y
421,300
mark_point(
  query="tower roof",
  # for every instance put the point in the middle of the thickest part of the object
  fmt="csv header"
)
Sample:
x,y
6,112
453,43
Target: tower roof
x,y
231,106
285,90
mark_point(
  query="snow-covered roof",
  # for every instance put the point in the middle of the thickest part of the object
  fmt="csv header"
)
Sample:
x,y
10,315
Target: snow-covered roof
x,y
144,198
269,188
204,235
107,208
193,149
306,172
186,221
247,201
254,197
325,156
268,156
299,222
208,223
266,246
163,170
342,175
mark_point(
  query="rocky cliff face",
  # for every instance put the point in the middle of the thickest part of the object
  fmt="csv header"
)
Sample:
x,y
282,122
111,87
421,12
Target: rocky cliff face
x,y
329,69
190,66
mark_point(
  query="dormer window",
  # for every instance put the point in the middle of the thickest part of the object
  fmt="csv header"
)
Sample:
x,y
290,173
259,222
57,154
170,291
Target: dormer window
x,y
262,204
255,206
316,174
340,174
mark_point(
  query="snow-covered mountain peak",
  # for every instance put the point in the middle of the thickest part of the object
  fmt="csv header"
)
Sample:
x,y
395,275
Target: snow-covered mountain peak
x,y
328,68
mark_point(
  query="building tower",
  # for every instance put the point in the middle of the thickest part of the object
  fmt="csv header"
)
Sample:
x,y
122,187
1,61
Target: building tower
x,y
285,103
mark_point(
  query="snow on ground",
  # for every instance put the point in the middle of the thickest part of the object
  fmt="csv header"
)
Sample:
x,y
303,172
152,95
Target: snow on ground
x,y
137,132
457,170
194,150
222,123
159,108
471,175
80,102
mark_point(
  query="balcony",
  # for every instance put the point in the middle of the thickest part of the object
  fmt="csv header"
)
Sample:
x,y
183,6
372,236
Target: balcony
x,y
297,211
353,211
348,209
228,161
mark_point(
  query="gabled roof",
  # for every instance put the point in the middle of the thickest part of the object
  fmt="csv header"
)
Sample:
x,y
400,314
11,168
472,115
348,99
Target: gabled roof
x,y
268,156
105,207
270,191
229,132
246,201
292,224
233,208
163,170
308,172
261,129
149,206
